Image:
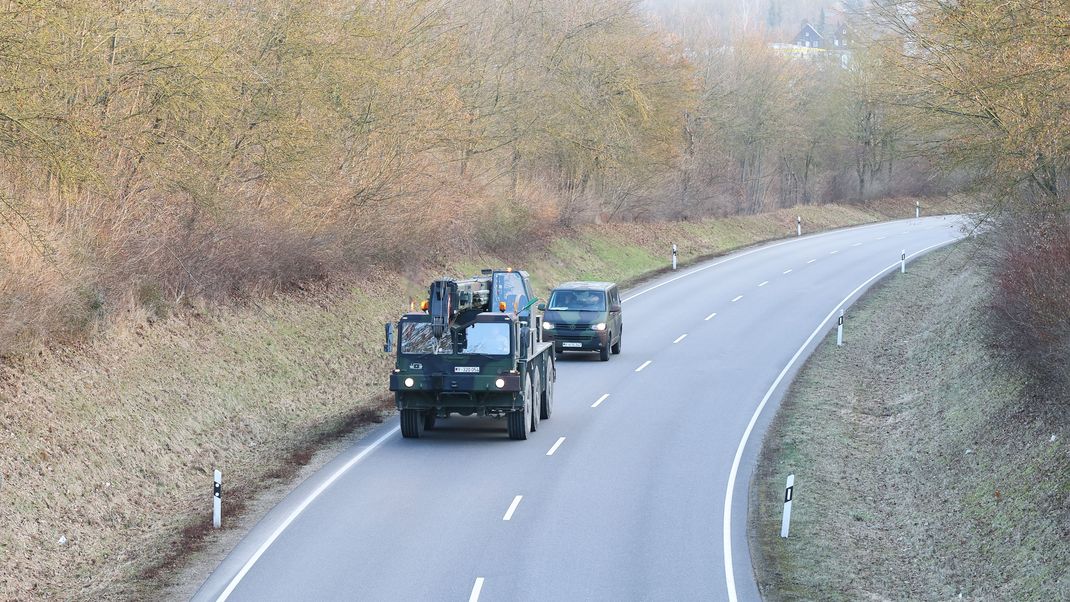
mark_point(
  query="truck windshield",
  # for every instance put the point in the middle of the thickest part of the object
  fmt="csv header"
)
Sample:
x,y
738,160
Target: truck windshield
x,y
417,337
578,301
488,337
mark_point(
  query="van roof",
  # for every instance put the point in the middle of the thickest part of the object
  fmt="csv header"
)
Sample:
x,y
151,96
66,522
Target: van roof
x,y
585,286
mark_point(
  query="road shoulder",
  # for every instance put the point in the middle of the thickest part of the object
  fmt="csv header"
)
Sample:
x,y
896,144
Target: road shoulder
x,y
923,468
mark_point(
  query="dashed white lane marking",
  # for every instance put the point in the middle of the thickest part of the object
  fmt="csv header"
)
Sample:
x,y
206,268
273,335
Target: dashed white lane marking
x,y
556,445
811,261
679,338
600,400
710,317
881,237
478,587
857,244
763,284
645,364
737,298
833,252
787,271
512,508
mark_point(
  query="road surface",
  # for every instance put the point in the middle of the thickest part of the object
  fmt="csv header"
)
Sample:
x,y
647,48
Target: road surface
x,y
622,494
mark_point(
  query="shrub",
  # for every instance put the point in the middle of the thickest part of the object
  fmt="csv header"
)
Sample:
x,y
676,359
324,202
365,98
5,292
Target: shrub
x,y
1031,303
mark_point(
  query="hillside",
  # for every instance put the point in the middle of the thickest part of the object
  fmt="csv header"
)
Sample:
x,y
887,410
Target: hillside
x,y
926,466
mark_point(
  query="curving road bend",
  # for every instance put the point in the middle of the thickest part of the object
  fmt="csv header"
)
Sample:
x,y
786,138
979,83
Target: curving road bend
x,y
636,489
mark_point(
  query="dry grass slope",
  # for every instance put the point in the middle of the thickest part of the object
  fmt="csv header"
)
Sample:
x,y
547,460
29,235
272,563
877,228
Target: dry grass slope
x,y
925,469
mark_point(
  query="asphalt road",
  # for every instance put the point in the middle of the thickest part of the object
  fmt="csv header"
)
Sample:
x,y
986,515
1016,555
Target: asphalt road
x,y
622,494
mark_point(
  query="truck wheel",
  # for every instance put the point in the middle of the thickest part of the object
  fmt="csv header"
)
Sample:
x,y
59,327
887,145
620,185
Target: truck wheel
x,y
429,420
603,353
535,397
411,421
616,346
517,420
546,400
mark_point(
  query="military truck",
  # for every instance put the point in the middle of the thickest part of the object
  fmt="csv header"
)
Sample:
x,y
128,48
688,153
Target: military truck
x,y
473,349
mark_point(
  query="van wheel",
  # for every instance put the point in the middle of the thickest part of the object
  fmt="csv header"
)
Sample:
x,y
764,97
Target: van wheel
x,y
603,353
616,346
411,421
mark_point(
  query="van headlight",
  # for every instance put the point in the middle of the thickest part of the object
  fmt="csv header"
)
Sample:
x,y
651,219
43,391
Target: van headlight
x,y
500,383
600,326
409,382
547,325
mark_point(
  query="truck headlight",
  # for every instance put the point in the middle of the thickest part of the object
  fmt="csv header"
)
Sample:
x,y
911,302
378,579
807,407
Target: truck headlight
x,y
409,382
600,326
500,383
547,325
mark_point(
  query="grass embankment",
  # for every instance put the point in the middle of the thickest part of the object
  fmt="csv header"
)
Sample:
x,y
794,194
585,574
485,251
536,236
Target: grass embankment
x,y
110,446
925,468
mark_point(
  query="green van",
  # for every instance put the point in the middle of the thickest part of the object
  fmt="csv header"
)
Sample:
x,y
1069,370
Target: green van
x,y
584,316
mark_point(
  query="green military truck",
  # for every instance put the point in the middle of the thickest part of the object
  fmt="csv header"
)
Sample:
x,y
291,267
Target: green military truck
x,y
473,349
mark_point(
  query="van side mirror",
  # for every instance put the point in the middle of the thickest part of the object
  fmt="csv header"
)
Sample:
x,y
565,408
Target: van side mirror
x,y
614,307
389,346
541,307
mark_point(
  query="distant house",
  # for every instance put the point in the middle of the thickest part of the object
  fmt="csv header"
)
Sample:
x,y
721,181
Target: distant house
x,y
819,44
832,38
809,37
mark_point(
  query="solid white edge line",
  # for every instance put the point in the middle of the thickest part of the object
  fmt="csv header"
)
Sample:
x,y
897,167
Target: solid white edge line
x,y
679,338
737,298
297,512
476,589
645,364
787,271
759,249
763,284
726,528
600,400
512,508
710,317
556,445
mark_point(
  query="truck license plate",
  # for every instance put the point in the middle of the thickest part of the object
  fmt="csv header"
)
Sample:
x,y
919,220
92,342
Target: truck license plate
x,y
466,369
571,344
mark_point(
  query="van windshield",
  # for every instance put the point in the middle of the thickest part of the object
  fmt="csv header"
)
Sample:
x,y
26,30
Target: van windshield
x,y
563,300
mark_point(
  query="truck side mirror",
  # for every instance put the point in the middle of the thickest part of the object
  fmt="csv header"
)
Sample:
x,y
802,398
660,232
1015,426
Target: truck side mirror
x,y
389,346
542,307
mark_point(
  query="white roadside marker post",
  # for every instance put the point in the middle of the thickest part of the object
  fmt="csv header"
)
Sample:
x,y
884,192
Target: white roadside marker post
x,y
217,500
798,225
917,209
673,256
903,262
789,493
839,330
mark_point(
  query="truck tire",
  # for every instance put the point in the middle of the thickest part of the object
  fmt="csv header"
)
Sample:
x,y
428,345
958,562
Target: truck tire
x,y
603,353
518,421
546,400
429,420
411,421
535,397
